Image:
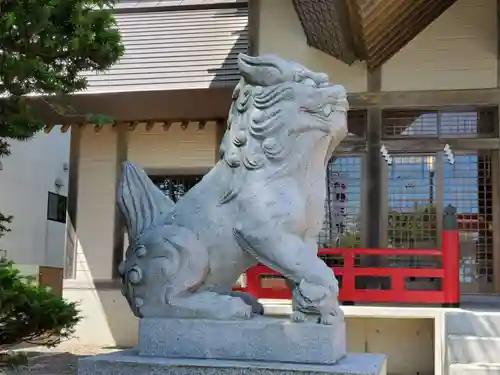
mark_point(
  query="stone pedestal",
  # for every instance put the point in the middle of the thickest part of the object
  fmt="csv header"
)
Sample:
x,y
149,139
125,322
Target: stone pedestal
x,y
130,363
262,346
260,339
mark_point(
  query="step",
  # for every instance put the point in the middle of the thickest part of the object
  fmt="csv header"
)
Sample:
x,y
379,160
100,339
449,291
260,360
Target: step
x,y
473,349
473,323
474,369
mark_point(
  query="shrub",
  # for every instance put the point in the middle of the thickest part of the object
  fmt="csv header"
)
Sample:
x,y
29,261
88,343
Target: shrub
x,y
30,313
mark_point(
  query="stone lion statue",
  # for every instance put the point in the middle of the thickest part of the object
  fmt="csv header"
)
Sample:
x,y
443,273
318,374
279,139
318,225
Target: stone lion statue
x,y
263,202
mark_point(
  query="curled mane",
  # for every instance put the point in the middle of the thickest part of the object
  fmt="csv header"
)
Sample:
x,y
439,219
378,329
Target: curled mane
x,y
254,127
254,133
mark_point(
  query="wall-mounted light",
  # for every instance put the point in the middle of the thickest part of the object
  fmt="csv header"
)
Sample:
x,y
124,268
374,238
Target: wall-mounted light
x,y
58,184
385,154
450,155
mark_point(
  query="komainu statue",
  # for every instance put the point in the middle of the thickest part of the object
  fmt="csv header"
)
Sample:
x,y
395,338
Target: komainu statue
x,y
263,202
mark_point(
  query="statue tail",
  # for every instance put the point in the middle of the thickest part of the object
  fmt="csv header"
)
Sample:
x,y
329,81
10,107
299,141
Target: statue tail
x,y
142,204
182,255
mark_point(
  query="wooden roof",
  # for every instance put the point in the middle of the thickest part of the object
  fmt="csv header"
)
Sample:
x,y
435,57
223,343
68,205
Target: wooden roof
x,y
366,30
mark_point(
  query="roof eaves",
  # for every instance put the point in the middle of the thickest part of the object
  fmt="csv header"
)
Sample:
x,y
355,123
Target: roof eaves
x,y
141,6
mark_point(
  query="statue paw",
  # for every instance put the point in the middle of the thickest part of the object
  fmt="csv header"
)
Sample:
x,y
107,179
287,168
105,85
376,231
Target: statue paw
x,y
239,309
337,314
249,299
298,317
327,320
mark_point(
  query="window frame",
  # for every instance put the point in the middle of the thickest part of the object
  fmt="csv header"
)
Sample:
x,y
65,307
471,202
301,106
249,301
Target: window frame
x,y
60,212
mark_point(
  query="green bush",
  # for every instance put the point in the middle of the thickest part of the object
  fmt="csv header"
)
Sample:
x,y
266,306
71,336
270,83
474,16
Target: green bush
x,y
30,313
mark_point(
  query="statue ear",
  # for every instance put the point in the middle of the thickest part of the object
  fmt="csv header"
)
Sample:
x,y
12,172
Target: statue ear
x,y
142,204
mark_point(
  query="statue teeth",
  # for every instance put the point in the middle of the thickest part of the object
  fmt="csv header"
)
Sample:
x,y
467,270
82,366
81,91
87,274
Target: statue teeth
x,y
327,110
135,275
141,251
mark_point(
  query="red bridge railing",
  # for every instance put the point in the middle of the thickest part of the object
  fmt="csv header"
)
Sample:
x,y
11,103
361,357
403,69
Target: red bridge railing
x,y
400,287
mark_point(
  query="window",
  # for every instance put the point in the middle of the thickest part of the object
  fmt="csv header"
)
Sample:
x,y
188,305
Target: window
x,y
175,186
434,123
56,208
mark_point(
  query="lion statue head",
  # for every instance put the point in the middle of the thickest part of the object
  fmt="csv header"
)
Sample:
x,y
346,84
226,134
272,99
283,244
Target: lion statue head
x,y
281,114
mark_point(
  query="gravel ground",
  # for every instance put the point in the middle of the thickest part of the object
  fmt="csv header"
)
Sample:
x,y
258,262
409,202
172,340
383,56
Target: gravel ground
x,y
57,361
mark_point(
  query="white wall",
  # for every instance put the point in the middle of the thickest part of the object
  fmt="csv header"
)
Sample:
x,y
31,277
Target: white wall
x,y
26,177
457,51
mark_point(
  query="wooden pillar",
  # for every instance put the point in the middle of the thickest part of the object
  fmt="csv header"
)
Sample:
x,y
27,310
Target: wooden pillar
x,y
98,242
374,168
71,240
374,201
119,225
496,180
253,26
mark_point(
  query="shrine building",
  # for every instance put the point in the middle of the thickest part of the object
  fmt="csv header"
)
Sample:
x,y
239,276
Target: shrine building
x,y
423,78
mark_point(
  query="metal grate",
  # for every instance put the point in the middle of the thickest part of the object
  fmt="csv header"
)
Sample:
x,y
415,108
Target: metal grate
x,y
175,186
469,187
342,224
412,220
430,123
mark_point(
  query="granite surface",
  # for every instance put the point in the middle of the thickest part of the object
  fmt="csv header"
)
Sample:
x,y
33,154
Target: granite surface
x,y
253,207
129,363
260,339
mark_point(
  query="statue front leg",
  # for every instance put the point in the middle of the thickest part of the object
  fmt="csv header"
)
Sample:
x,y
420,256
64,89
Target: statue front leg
x,y
298,302
250,300
315,288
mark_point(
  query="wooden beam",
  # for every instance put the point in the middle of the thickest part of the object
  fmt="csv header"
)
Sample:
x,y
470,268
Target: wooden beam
x,y
411,21
433,144
253,26
356,24
380,16
65,128
425,98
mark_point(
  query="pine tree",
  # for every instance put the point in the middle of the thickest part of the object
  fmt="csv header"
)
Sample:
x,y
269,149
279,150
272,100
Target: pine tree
x,y
45,45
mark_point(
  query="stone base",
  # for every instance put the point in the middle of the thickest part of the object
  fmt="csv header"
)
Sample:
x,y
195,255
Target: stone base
x,y
129,363
259,339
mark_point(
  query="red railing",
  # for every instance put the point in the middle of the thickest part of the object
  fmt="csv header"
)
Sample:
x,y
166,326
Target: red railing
x,y
397,291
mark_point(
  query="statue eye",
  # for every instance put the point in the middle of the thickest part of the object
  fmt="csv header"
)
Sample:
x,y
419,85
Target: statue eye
x,y
298,76
309,82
